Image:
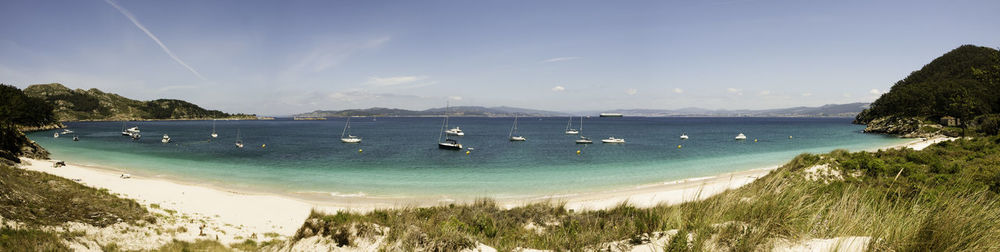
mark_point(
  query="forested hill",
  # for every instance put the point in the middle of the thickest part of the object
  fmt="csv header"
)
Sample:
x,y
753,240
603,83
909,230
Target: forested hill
x,y
93,104
963,83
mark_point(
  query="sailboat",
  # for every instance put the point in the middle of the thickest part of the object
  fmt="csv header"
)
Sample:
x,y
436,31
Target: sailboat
x,y
349,138
239,143
214,135
684,136
125,132
569,123
513,130
583,139
448,144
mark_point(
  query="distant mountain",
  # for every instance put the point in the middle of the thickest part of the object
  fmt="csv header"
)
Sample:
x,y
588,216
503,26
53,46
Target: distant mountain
x,y
93,104
830,110
454,111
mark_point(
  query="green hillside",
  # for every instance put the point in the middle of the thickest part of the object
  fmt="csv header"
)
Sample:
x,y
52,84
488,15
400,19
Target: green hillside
x,y
963,83
93,104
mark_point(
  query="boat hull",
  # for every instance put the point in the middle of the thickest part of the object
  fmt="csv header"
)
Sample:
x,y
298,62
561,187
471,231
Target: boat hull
x,y
584,142
448,146
350,140
517,139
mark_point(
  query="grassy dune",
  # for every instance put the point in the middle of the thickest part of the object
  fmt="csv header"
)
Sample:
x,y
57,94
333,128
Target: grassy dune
x,y
943,198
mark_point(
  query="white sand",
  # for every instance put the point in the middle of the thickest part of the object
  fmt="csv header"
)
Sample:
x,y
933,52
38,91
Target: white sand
x,y
248,213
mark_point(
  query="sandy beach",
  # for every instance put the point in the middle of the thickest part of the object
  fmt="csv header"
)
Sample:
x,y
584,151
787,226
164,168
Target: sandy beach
x,y
240,214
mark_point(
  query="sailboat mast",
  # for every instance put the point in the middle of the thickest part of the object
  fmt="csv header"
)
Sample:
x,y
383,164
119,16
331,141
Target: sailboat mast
x,y
346,125
581,125
513,127
213,125
444,125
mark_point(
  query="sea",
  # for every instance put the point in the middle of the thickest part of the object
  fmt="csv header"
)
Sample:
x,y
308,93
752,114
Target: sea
x,y
399,157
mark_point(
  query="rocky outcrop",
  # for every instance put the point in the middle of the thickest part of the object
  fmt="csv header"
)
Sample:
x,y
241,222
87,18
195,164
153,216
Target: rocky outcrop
x,y
910,127
14,144
40,128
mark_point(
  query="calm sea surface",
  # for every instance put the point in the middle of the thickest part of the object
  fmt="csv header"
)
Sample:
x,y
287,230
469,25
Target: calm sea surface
x,y
400,157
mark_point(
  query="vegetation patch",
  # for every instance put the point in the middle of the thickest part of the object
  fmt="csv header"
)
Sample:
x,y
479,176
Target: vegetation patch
x,y
943,198
37,198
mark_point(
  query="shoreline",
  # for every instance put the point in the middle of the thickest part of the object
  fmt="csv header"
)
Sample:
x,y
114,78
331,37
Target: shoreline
x,y
262,212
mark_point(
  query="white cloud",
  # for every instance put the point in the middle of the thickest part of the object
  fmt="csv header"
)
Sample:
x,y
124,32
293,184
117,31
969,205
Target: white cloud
x,y
736,91
326,55
457,98
392,81
847,95
135,21
558,88
631,91
560,59
807,94
874,91
765,92
678,90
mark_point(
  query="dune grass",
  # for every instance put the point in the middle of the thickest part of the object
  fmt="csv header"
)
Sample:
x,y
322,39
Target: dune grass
x,y
37,198
941,198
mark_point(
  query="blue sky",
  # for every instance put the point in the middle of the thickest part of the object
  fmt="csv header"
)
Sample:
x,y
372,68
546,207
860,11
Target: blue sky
x,y
283,57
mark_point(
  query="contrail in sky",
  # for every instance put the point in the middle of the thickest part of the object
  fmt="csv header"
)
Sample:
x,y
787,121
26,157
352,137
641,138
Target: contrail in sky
x,y
157,40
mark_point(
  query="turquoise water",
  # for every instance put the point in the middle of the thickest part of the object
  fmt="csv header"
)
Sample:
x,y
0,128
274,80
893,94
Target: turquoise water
x,y
400,157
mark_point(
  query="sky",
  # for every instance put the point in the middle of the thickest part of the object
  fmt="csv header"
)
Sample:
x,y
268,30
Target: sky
x,y
286,57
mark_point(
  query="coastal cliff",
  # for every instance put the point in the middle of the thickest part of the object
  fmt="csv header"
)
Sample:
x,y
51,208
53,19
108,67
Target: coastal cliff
x,y
963,84
96,105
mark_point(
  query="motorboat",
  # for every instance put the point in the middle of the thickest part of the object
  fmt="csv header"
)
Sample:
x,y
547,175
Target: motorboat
x,y
741,137
613,140
684,136
166,139
455,132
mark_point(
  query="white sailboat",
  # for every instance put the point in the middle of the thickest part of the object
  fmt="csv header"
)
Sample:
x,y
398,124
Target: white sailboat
x,y
741,137
125,132
345,137
583,139
684,136
571,131
214,135
239,143
513,130
166,139
448,143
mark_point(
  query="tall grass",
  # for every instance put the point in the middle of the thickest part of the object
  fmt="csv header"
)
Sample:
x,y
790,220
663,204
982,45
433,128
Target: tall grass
x,y
943,199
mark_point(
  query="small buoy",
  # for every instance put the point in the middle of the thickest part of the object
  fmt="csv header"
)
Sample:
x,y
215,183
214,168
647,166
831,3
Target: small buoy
x,y
754,140
359,150
467,152
578,152
789,137
263,145
678,146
